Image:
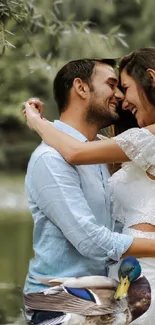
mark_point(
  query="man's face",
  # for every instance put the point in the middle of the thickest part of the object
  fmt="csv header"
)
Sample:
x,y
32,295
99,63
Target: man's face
x,y
104,96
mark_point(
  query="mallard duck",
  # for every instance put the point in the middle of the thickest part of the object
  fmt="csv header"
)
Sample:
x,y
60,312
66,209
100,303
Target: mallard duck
x,y
100,299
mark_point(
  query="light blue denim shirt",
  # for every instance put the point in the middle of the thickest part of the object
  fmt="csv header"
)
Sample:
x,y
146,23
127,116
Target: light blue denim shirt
x,y
71,212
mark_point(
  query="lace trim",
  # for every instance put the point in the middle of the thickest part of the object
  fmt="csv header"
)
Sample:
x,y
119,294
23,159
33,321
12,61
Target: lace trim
x,y
129,221
140,219
139,146
138,233
118,213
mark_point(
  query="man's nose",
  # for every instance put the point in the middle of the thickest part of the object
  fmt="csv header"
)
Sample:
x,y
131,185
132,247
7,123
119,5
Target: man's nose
x,y
119,94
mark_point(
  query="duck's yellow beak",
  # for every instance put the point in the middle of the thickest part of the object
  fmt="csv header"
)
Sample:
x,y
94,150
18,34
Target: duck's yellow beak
x,y
122,289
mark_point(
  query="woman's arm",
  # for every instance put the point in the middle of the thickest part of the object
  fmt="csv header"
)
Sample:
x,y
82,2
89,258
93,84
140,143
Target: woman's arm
x,y
74,151
141,247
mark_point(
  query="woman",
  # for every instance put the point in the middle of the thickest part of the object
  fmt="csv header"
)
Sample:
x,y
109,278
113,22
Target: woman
x,y
133,186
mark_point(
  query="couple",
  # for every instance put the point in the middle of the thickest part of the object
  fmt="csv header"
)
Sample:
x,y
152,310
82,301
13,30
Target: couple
x,y
70,199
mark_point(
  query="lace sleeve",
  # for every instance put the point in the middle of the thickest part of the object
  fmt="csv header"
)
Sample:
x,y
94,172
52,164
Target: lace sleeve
x,y
139,146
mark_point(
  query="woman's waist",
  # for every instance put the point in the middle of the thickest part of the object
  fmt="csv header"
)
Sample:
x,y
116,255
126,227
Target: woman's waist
x,y
143,226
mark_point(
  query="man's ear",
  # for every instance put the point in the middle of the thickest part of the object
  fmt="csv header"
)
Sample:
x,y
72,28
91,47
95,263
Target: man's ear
x,y
80,87
152,74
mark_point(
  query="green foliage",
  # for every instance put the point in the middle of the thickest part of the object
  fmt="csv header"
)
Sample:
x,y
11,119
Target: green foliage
x,y
137,22
37,38
12,10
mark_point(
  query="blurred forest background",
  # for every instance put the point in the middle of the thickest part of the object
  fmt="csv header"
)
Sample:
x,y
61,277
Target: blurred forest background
x,y
36,38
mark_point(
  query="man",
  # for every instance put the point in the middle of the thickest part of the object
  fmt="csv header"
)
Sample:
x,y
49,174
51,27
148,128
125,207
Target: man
x,y
70,204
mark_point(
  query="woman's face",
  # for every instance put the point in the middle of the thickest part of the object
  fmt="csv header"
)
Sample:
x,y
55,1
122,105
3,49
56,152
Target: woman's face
x,y
136,101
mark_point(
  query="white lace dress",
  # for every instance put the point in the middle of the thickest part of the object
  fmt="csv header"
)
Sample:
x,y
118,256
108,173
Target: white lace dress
x,y
133,198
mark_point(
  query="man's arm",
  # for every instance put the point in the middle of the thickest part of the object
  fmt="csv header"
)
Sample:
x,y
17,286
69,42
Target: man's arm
x,y
61,199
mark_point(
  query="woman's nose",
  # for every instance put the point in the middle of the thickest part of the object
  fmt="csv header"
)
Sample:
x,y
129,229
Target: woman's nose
x,y
125,104
119,94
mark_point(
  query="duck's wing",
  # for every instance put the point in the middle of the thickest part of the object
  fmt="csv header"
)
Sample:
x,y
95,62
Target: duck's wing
x,y
76,300
81,282
139,297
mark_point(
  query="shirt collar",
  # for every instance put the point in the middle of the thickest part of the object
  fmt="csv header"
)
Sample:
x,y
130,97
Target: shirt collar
x,y
69,130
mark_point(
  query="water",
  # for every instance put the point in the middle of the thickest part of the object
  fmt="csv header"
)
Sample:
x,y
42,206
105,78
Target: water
x,y
15,247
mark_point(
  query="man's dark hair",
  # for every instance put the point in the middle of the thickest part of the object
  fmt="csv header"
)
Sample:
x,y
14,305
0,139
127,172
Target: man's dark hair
x,y
136,65
63,81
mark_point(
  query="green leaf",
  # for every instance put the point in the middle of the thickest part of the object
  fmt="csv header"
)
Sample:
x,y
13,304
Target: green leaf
x,y
7,31
49,56
9,44
114,30
122,41
3,50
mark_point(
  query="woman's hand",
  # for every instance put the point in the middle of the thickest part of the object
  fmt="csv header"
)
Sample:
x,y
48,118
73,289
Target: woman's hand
x,y
33,111
35,102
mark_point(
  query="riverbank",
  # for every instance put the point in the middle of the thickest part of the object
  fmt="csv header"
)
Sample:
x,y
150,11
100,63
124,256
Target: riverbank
x,y
15,246
12,192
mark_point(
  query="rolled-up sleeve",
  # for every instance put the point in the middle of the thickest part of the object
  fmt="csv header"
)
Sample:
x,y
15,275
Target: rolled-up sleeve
x,y
58,193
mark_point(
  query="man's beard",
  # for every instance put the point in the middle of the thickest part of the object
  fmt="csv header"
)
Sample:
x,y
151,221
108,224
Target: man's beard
x,y
101,117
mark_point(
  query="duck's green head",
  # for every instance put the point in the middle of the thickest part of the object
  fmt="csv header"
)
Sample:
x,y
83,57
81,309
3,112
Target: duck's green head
x,y
129,271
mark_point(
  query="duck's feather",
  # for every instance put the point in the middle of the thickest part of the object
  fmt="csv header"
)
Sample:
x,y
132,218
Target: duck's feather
x,y
64,301
81,282
96,301
139,297
81,293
